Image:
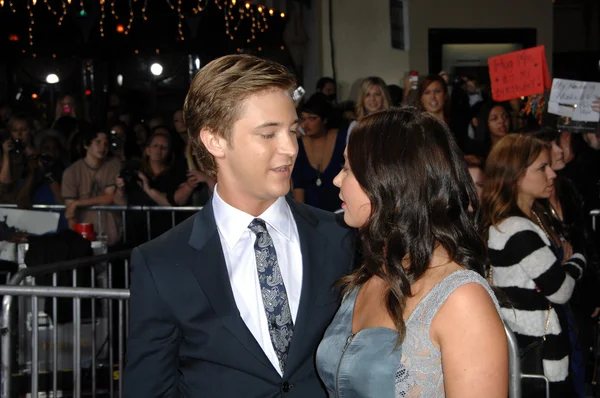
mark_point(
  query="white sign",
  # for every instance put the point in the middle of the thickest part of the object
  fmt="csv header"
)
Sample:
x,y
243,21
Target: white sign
x,y
27,221
573,98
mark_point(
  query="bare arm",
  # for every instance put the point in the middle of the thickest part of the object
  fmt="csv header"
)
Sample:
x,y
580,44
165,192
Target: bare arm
x,y
185,190
71,205
473,344
183,193
120,193
5,171
159,197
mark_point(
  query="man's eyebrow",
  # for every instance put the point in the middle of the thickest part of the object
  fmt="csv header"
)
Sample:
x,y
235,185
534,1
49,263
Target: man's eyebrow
x,y
273,124
267,124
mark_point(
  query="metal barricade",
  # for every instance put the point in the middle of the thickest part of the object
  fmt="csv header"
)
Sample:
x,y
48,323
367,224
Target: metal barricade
x,y
55,334
123,210
514,368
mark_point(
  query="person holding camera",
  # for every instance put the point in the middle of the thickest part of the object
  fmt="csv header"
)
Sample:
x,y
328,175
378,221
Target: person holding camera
x,y
15,152
154,182
41,183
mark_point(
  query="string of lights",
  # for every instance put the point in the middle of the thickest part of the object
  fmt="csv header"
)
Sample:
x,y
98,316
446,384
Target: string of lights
x,y
180,21
102,17
144,10
64,13
31,23
255,15
50,8
130,21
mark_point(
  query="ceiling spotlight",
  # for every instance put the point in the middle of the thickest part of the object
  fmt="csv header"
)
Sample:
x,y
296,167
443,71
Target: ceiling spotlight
x,y
52,78
156,69
120,80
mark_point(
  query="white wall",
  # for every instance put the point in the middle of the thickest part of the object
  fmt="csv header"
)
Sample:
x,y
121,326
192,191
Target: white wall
x,y
362,43
361,33
476,14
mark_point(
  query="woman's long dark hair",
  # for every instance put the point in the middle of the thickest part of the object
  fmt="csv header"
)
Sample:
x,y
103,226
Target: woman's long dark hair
x,y
483,125
416,178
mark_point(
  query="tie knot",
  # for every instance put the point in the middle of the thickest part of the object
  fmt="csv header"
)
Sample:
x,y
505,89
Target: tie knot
x,y
258,226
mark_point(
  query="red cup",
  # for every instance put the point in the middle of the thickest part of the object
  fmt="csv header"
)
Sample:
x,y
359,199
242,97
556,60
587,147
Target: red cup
x,y
86,230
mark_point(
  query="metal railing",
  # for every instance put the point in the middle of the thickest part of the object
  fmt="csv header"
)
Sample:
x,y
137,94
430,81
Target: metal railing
x,y
515,375
104,293
123,210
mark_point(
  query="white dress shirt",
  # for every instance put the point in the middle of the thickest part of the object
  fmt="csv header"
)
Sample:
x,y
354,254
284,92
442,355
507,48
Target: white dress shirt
x,y
238,248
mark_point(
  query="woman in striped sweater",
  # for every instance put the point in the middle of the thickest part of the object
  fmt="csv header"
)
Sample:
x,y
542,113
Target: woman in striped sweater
x,y
530,264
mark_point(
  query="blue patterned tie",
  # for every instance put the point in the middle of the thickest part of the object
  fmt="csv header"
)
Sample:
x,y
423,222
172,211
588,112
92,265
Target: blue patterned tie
x,y
274,295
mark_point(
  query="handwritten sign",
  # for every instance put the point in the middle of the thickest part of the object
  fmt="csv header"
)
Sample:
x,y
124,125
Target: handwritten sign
x,y
519,74
573,99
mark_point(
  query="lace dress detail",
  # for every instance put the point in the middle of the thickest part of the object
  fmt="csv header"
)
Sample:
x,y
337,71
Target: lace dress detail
x,y
420,371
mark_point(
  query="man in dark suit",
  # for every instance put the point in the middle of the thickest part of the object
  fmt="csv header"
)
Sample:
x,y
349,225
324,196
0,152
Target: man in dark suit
x,y
234,301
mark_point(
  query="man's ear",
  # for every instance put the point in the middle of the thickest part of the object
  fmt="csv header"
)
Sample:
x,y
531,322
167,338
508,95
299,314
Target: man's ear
x,y
213,142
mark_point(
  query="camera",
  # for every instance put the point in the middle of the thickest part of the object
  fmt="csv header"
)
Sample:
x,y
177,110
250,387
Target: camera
x,y
18,146
116,142
129,172
47,161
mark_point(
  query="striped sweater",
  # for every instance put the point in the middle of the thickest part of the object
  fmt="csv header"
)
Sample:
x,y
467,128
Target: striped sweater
x,y
525,267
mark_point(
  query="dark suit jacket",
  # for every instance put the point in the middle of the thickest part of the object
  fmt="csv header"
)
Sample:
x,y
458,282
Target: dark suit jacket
x,y
186,336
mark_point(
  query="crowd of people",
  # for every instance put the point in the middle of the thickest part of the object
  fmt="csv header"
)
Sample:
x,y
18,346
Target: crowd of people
x,y
78,164
449,189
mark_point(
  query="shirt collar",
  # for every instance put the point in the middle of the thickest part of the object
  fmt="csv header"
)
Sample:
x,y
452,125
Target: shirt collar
x,y
233,223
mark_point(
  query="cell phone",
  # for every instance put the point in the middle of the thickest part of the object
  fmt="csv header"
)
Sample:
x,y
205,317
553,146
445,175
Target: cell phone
x,y
298,94
413,78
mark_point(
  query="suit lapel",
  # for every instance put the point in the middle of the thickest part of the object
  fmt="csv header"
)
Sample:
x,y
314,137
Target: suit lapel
x,y
210,270
312,245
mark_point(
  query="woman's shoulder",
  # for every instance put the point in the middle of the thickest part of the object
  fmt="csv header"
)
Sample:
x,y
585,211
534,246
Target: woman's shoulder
x,y
464,283
512,225
457,279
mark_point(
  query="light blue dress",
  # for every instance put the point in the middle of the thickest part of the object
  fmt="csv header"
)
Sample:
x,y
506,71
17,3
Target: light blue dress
x,y
368,364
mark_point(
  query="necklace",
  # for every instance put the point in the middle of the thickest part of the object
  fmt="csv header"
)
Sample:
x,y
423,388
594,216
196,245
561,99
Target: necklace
x,y
538,221
318,181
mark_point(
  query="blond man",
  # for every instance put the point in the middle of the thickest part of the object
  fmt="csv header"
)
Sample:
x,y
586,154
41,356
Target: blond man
x,y
234,301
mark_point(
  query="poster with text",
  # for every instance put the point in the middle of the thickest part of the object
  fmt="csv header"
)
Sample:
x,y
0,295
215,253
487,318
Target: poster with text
x,y
519,74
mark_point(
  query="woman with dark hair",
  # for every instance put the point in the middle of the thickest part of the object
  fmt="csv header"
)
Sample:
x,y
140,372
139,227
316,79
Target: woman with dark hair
x,y
530,263
320,156
418,318
433,97
493,123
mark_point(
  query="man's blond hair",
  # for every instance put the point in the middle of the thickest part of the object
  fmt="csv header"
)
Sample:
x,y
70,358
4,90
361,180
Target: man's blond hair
x,y
216,95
